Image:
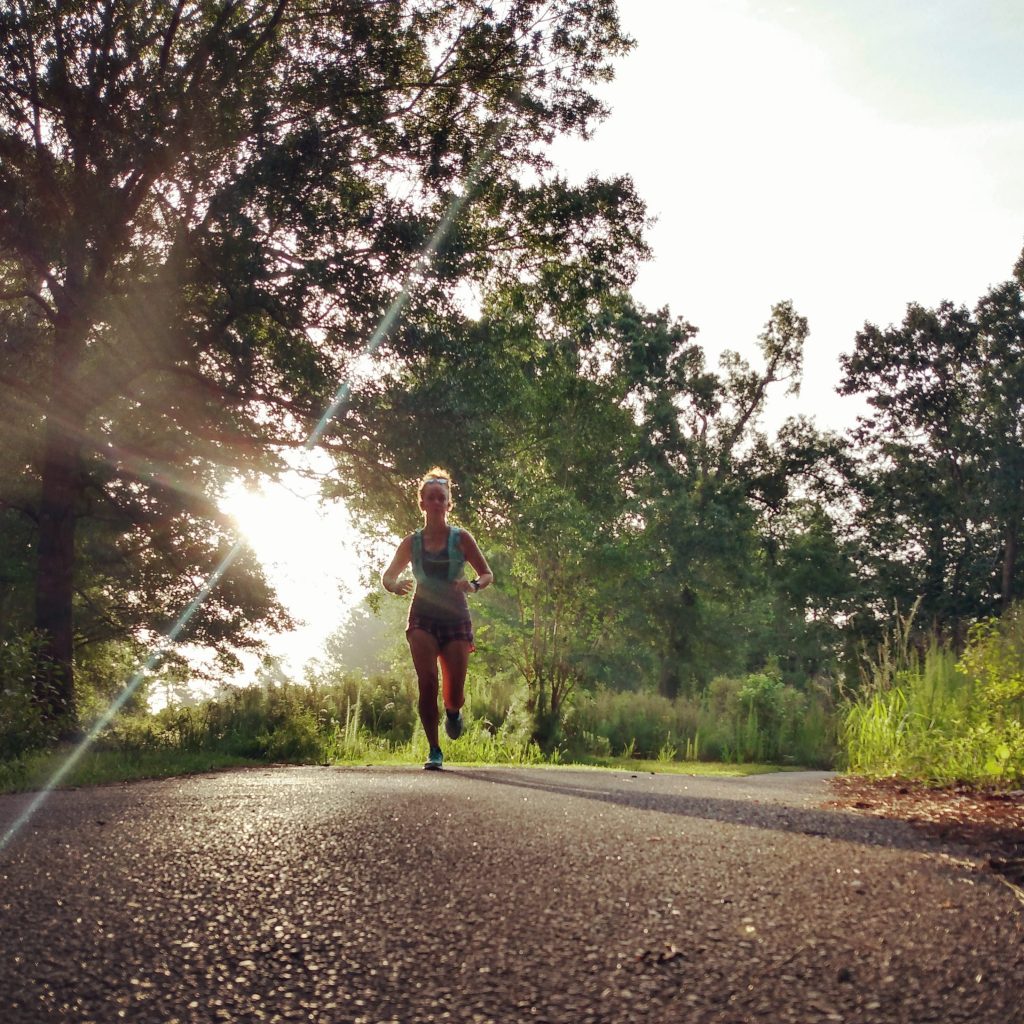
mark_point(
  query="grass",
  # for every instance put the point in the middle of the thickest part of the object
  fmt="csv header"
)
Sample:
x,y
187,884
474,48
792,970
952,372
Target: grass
x,y
756,719
105,767
358,721
930,716
659,766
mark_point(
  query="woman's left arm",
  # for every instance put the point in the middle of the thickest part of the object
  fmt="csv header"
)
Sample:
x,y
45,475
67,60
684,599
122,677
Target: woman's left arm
x,y
473,555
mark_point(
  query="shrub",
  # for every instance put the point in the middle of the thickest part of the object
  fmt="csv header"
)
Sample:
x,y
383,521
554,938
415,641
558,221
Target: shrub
x,y
102,672
22,728
760,718
295,738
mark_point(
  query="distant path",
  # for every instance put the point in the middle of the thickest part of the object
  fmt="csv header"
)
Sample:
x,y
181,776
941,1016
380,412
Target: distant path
x,y
492,895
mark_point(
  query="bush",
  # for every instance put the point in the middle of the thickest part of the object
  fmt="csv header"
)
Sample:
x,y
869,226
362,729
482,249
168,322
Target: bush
x,y
994,663
494,699
349,717
22,728
759,718
102,672
295,739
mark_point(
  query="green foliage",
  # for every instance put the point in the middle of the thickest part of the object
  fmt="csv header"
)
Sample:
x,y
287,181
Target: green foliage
x,y
102,670
668,751
351,718
544,437
761,719
22,727
369,720
940,718
618,487
754,719
994,661
626,723
724,510
938,487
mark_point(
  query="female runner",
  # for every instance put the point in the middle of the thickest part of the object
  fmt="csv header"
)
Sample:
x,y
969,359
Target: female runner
x,y
440,627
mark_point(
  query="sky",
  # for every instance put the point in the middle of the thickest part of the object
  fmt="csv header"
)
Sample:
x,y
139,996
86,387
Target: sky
x,y
848,155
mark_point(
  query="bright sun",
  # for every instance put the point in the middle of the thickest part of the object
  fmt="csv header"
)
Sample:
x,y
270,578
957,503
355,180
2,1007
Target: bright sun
x,y
309,554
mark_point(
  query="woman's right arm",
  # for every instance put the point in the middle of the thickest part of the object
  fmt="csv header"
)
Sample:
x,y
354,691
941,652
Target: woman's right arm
x,y
389,578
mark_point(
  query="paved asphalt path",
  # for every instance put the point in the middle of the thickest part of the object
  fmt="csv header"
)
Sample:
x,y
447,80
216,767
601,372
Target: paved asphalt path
x,y
492,895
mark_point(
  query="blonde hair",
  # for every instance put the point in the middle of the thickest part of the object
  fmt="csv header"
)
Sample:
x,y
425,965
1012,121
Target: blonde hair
x,y
436,475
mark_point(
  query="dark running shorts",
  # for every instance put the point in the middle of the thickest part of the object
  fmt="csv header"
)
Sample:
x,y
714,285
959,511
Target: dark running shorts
x,y
444,631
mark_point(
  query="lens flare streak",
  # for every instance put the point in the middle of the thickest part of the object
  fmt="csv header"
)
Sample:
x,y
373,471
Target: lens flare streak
x,y
384,328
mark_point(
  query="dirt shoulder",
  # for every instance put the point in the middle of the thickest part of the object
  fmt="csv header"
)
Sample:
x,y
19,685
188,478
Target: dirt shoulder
x,y
989,823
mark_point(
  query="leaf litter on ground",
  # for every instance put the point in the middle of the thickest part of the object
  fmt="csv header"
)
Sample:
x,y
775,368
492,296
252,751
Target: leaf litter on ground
x,y
988,822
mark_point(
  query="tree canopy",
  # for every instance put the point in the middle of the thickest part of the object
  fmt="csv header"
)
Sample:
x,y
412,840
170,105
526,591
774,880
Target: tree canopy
x,y
205,208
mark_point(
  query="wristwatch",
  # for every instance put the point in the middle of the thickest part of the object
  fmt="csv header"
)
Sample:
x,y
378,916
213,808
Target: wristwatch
x,y
475,584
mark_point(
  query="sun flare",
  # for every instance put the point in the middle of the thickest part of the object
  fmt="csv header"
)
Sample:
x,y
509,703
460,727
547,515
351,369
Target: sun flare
x,y
309,552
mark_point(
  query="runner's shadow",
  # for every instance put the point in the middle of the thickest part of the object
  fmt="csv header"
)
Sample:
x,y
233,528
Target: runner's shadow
x,y
767,814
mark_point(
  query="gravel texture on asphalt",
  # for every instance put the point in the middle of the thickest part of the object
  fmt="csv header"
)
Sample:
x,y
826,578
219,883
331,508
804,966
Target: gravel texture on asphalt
x,y
498,895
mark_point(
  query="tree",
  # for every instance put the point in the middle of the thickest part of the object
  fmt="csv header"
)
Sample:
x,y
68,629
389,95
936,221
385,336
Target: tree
x,y
1000,316
559,488
619,488
205,207
700,478
797,488
368,642
941,484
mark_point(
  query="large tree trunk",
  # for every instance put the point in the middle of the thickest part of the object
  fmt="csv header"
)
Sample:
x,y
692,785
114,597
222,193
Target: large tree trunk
x,y
679,626
669,681
54,583
61,483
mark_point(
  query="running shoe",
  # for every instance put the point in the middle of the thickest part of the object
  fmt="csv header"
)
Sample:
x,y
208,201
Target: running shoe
x,y
453,724
435,761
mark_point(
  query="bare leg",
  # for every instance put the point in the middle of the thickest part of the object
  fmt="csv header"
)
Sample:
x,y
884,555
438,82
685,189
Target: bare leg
x,y
454,663
425,652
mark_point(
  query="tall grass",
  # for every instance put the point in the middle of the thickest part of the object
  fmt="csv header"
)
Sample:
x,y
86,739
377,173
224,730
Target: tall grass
x,y
932,716
756,719
907,715
350,739
355,719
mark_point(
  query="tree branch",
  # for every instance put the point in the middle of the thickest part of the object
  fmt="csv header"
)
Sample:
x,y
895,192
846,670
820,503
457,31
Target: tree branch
x,y
27,293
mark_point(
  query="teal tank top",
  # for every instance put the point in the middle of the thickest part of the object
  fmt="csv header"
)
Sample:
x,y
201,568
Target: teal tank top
x,y
435,571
